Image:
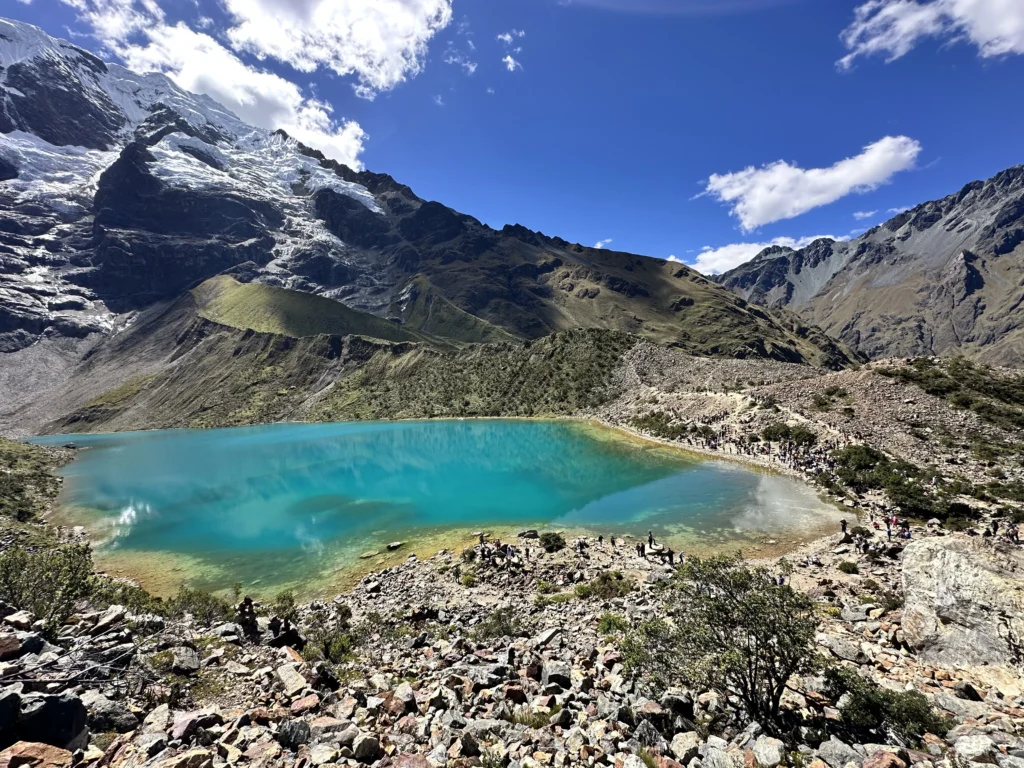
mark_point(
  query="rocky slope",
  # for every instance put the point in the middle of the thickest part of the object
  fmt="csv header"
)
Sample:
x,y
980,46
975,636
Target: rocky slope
x,y
943,278
120,193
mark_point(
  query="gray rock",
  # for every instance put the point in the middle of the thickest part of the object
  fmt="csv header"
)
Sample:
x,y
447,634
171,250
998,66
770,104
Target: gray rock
x,y
50,719
292,682
185,660
964,601
106,715
685,746
366,747
293,734
975,749
768,752
837,753
557,672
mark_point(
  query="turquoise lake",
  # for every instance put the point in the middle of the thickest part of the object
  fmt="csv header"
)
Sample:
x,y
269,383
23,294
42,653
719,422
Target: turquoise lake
x,y
297,504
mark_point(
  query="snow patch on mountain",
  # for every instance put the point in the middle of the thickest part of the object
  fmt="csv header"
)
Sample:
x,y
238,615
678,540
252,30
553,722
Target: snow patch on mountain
x,y
62,179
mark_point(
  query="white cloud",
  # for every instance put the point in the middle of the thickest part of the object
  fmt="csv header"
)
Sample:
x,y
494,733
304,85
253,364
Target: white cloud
x,y
603,243
781,190
467,65
490,91
676,259
438,100
199,63
895,211
511,64
512,34
860,215
892,28
380,42
715,261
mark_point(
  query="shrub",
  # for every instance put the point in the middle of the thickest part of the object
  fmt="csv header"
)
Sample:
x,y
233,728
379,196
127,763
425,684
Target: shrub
x,y
47,583
546,587
503,622
106,592
734,630
870,711
551,541
27,483
605,586
467,580
284,606
776,433
847,567
859,530
609,623
328,636
204,607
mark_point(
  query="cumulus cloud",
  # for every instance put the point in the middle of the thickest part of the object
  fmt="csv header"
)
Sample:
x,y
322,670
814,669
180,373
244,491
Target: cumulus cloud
x,y
782,190
603,243
511,64
892,28
380,42
201,64
715,261
678,7
860,215
901,209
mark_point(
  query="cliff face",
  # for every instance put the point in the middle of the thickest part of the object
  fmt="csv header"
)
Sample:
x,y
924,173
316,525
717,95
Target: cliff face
x,y
946,277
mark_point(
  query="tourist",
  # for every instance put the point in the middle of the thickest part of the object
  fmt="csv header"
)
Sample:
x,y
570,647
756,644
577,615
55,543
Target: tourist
x,y
842,524
650,538
600,540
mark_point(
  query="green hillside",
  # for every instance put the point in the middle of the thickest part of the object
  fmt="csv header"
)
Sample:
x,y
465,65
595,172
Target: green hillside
x,y
266,309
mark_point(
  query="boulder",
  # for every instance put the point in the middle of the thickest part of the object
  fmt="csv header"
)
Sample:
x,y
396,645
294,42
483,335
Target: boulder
x,y
106,715
366,747
26,754
964,601
768,752
292,682
184,660
50,719
837,754
685,745
293,734
558,673
975,749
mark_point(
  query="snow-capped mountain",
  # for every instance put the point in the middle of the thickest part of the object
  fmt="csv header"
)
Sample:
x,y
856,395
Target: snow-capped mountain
x,y
76,133
120,193
946,277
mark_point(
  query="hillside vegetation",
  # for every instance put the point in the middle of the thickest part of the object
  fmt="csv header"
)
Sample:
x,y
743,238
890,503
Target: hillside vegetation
x,y
267,309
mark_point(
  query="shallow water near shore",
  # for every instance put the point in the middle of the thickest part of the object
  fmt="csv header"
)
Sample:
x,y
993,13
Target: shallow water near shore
x,y
304,505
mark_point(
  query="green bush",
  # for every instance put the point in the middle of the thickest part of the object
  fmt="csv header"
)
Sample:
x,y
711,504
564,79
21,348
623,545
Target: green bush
x,y
328,635
284,606
503,622
733,630
551,541
847,567
605,586
47,583
204,607
776,433
661,425
610,623
859,530
870,711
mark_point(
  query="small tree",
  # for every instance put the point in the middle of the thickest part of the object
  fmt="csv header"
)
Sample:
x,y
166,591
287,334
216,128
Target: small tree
x,y
732,629
551,541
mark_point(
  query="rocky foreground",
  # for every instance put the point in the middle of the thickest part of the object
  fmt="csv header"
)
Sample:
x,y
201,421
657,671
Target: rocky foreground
x,y
464,660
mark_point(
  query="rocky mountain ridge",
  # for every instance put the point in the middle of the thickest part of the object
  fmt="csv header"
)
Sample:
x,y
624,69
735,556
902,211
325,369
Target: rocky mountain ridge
x,y
156,190
942,278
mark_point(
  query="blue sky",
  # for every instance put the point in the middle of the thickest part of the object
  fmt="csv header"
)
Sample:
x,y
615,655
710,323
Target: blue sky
x,y
664,126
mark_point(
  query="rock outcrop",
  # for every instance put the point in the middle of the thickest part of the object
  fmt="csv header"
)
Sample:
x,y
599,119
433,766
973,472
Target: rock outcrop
x,y
964,601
